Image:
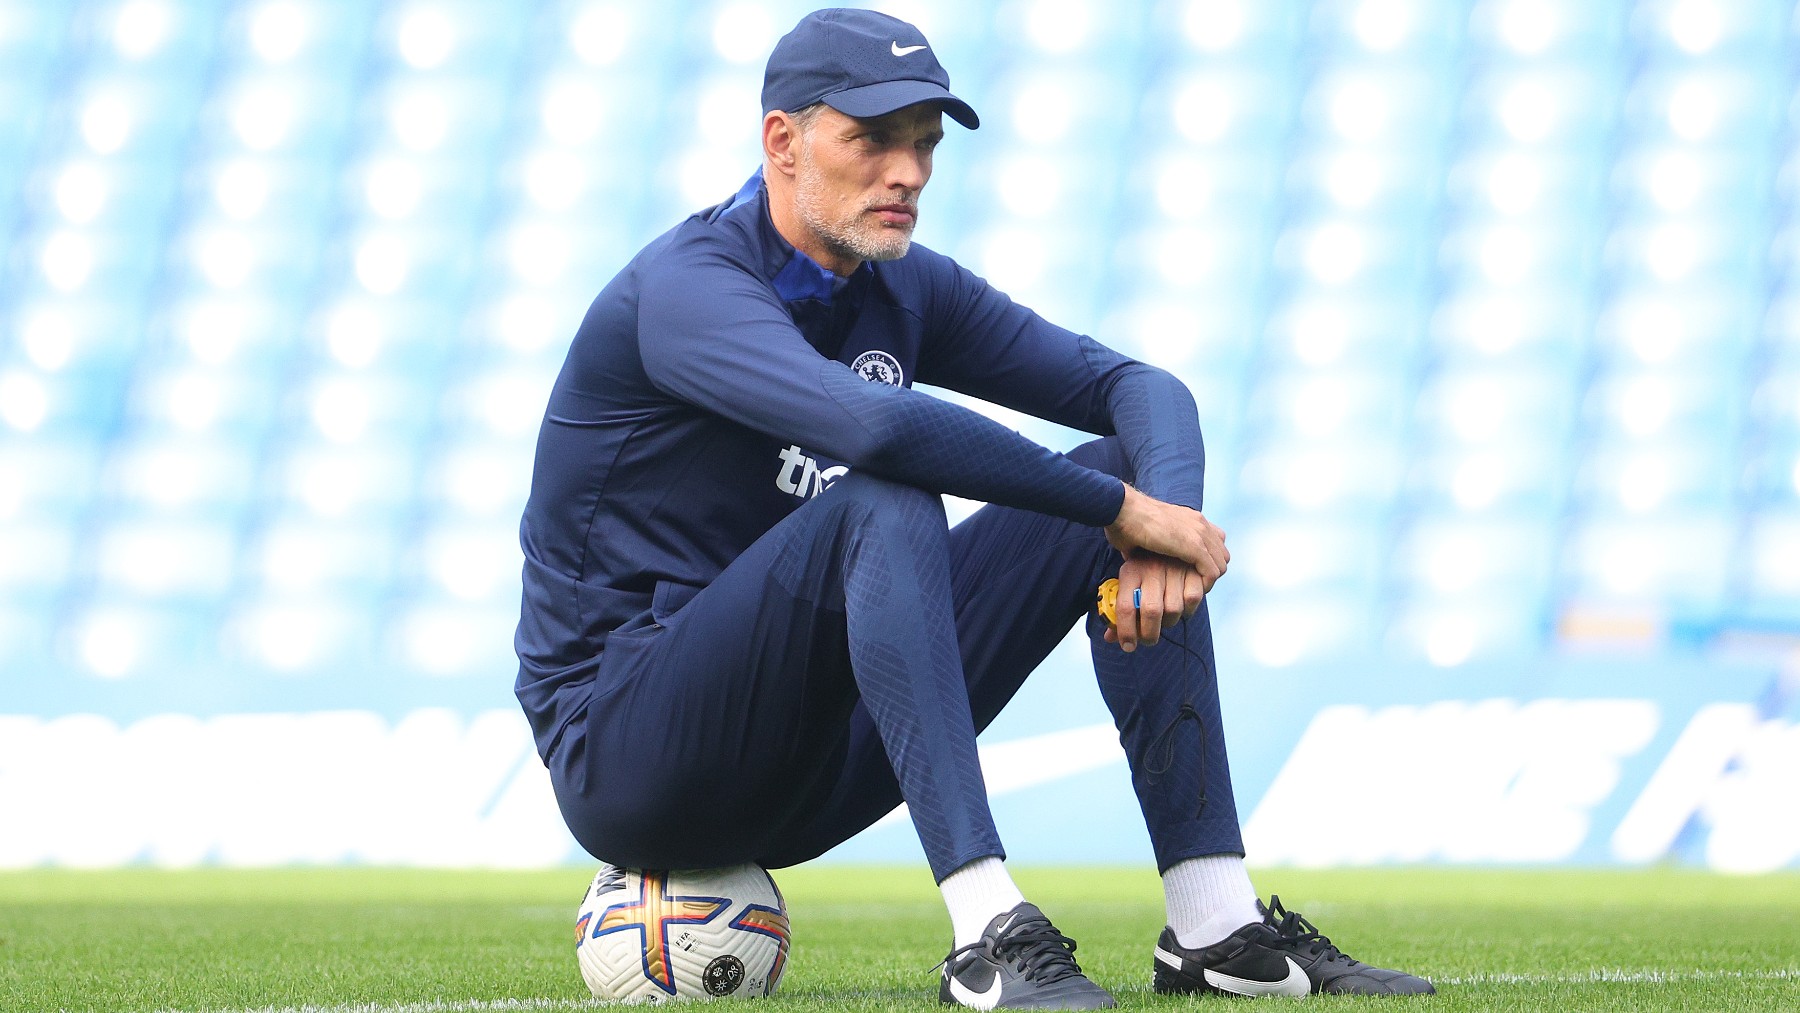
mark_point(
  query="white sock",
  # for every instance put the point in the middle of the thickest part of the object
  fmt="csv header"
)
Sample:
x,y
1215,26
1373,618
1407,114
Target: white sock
x,y
1208,898
975,894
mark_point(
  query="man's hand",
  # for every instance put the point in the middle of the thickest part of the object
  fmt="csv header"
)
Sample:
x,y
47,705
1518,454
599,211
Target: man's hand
x,y
1169,530
1173,557
1168,590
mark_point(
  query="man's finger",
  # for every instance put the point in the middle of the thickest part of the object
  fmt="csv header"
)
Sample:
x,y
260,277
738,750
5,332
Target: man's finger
x,y
1125,615
1149,601
1218,562
1175,598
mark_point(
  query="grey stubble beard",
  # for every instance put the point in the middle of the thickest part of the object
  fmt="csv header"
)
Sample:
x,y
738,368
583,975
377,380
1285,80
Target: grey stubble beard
x,y
844,238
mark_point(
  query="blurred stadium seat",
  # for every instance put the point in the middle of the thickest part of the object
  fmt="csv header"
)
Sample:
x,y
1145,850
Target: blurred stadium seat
x,y
1486,303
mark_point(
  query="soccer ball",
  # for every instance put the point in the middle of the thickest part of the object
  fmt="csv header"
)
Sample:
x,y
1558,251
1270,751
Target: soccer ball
x,y
646,935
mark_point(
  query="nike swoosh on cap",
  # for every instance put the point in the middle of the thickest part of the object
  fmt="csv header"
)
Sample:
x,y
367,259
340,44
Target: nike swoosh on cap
x,y
898,51
1295,984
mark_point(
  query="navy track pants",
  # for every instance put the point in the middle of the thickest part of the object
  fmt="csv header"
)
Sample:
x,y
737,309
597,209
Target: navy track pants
x,y
845,661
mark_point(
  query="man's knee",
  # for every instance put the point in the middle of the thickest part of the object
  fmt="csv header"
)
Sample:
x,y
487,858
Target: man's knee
x,y
1106,454
870,501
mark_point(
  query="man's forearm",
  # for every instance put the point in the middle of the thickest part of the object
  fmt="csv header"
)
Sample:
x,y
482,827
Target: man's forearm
x,y
1158,424
912,437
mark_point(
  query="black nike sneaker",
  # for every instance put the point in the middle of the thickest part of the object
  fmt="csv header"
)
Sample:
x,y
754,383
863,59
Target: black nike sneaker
x,y
1020,962
1281,955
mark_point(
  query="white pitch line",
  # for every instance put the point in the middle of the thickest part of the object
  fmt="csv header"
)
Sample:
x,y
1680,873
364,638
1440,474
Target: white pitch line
x,y
1597,976
1613,974
434,1006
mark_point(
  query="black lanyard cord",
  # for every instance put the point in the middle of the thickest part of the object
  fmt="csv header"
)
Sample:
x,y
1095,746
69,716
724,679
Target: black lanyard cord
x,y
1161,751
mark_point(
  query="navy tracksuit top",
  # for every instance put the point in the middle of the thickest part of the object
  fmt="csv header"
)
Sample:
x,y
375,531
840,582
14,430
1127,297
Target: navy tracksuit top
x,y
723,378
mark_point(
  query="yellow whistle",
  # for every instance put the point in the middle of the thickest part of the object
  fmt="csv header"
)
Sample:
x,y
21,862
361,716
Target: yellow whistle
x,y
1106,600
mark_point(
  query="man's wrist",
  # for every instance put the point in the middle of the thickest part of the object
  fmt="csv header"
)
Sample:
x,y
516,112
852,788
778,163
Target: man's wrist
x,y
1125,495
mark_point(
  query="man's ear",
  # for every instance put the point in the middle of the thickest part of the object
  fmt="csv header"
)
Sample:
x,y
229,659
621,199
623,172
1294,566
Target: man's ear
x,y
781,136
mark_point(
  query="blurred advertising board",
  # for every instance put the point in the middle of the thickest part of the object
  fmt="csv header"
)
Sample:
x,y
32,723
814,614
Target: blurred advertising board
x,y
1540,760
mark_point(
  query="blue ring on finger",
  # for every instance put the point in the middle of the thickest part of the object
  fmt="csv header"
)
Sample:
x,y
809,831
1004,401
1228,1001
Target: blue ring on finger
x,y
1137,597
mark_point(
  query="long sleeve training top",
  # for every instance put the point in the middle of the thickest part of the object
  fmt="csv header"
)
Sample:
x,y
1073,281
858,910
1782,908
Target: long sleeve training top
x,y
723,378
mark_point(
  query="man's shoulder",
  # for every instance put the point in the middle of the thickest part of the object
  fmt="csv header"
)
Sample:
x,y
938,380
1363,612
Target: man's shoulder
x,y
695,239
699,242
664,269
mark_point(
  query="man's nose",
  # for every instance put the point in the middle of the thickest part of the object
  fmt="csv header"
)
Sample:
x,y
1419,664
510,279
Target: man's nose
x,y
909,171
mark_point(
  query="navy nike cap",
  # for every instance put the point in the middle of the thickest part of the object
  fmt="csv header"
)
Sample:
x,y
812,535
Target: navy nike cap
x,y
861,63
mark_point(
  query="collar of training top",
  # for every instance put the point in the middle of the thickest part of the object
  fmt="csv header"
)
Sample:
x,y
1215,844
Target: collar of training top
x,y
800,277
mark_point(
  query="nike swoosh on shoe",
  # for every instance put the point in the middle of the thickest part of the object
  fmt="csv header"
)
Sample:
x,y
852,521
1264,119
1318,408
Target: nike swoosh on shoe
x,y
1295,984
987,998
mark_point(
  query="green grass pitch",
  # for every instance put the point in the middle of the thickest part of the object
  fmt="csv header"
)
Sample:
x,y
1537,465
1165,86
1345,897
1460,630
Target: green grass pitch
x,y
375,941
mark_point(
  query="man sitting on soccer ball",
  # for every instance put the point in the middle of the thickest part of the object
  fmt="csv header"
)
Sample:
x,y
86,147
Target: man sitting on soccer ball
x,y
748,632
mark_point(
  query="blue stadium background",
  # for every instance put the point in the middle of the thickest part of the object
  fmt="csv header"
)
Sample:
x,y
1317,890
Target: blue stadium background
x,y
1492,310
